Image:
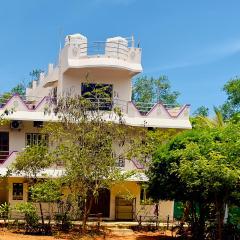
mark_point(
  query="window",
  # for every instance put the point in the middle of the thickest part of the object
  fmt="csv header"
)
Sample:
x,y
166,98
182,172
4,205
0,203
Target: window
x,y
4,145
144,196
36,139
17,191
101,94
120,161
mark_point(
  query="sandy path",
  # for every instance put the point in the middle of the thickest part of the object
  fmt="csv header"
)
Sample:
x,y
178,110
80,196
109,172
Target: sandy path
x,y
7,235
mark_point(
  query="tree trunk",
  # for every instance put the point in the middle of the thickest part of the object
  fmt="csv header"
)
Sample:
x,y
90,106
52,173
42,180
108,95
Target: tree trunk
x,y
87,209
41,211
198,223
202,213
220,218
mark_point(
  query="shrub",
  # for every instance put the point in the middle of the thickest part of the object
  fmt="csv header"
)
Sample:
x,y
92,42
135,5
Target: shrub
x,y
30,213
5,211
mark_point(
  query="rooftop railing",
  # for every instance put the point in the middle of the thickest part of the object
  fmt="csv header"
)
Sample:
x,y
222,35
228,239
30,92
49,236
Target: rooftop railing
x,y
109,49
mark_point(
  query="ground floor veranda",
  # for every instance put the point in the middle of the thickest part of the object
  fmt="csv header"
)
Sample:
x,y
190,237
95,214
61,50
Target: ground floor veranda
x,y
123,202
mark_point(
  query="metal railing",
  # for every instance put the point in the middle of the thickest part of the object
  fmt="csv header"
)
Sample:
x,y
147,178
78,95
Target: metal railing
x,y
3,156
110,49
104,104
144,107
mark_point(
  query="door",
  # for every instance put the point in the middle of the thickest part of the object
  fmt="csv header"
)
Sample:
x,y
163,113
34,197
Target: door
x,y
102,203
125,208
4,146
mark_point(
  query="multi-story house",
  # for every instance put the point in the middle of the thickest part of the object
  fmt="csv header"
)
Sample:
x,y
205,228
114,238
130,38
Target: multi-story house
x,y
114,63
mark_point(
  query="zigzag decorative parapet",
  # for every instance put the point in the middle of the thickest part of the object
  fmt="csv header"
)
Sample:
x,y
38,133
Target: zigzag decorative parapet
x,y
16,103
159,116
159,111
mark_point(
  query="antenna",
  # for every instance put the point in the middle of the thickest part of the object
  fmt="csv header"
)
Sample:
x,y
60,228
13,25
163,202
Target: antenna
x,y
132,41
60,44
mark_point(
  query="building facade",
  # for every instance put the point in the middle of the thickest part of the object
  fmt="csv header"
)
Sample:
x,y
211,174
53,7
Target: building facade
x,y
114,63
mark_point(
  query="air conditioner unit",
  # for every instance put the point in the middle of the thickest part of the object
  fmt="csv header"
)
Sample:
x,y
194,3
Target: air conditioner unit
x,y
38,124
16,124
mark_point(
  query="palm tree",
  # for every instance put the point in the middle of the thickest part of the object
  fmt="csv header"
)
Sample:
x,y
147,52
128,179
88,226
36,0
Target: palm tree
x,y
215,122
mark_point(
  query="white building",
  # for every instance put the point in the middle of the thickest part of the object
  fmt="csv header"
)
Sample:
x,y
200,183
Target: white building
x,y
114,62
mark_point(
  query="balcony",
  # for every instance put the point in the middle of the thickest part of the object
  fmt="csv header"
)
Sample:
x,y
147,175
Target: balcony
x,y
33,108
115,52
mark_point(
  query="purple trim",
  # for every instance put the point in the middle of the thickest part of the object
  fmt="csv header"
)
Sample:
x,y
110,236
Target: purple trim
x,y
25,105
38,105
137,164
130,102
160,104
181,110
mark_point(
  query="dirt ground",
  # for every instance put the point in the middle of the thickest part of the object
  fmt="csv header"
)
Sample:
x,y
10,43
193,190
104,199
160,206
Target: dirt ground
x,y
9,235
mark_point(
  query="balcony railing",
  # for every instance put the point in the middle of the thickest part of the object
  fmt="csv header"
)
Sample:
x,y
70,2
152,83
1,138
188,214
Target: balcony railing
x,y
104,104
119,49
112,49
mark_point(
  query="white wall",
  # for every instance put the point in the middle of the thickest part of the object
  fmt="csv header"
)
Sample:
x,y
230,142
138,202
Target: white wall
x,y
120,80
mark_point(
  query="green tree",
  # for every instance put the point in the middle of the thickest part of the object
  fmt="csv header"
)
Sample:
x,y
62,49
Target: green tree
x,y
208,122
84,144
18,89
46,191
232,104
149,90
83,141
202,167
201,111
30,214
35,74
32,161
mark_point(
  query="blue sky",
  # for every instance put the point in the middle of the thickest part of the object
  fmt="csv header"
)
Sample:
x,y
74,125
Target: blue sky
x,y
195,43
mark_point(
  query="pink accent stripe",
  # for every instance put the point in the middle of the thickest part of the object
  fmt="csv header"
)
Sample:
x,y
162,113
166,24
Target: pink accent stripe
x,y
19,97
11,153
137,164
130,102
169,114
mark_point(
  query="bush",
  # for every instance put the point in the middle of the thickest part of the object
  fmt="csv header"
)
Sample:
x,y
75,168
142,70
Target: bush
x,y
30,214
5,211
63,220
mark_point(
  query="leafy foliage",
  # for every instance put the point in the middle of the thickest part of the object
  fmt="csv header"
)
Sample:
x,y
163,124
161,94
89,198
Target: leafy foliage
x,y
30,213
84,143
201,166
5,210
149,90
46,191
201,111
18,89
32,160
232,105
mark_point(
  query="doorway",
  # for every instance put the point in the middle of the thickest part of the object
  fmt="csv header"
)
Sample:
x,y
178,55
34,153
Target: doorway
x,y
4,146
125,208
102,203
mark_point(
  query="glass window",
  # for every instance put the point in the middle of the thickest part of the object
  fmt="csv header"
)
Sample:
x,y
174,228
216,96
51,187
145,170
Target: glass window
x,y
144,196
120,161
17,191
101,94
36,139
